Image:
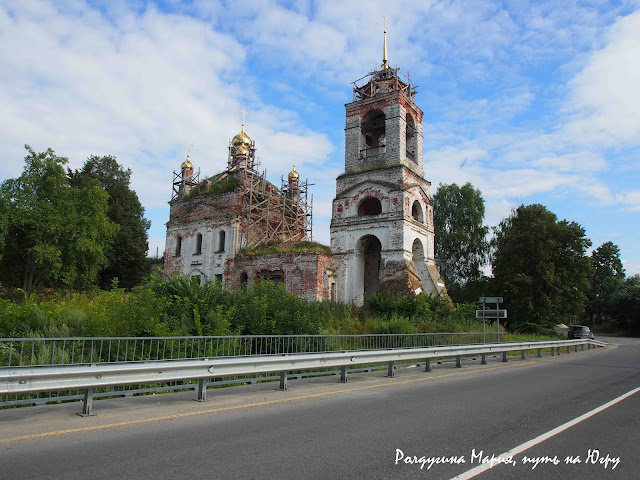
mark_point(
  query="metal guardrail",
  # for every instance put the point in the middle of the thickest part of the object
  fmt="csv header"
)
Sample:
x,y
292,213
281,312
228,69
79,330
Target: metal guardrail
x,y
79,350
95,350
28,379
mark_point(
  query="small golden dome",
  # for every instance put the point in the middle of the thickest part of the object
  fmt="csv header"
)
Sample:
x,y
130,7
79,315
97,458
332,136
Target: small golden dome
x,y
242,150
293,175
187,165
241,139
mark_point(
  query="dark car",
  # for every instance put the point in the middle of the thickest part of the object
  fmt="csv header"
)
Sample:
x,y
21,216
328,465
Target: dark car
x,y
579,331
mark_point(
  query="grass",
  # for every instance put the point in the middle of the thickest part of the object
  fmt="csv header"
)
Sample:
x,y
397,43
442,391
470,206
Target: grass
x,y
275,247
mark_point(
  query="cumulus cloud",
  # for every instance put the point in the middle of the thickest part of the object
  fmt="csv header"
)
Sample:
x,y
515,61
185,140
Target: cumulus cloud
x,y
137,86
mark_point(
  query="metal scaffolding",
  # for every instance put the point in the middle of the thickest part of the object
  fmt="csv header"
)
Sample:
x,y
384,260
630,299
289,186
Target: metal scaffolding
x,y
270,214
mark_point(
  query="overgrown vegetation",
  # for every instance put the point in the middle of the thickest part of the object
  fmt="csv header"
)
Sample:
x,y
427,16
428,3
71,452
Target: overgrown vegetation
x,y
275,247
180,306
216,185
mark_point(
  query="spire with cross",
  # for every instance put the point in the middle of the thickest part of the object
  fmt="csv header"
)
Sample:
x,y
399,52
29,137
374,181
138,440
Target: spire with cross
x,y
385,63
244,113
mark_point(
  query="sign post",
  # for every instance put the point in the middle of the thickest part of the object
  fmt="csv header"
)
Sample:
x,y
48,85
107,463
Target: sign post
x,y
484,314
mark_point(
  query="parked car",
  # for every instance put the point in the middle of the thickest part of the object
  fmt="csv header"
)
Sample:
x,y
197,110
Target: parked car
x,y
579,331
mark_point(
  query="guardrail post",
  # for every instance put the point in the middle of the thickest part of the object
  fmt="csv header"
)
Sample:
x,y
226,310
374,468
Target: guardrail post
x,y
553,352
588,346
458,361
283,380
504,356
558,350
568,348
582,347
390,371
523,355
576,349
483,360
202,390
427,365
539,353
87,404
343,374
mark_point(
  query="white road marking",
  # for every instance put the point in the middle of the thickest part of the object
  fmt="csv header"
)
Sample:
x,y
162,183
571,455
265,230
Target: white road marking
x,y
525,446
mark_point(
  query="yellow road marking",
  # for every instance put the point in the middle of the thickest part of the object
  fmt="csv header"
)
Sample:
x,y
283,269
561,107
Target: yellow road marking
x,y
259,404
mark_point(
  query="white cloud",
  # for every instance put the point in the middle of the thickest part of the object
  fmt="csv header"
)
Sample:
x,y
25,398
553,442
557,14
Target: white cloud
x,y
137,87
605,98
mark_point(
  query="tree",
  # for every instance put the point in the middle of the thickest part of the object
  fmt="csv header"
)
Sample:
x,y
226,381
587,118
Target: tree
x,y
540,267
4,223
461,246
126,258
625,304
606,277
56,235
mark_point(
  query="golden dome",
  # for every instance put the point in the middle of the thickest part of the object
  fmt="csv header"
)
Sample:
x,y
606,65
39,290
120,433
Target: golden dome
x,y
241,139
187,165
293,175
242,150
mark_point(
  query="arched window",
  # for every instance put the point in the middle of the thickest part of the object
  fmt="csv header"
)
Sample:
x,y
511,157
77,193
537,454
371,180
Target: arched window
x,y
416,212
373,134
199,244
369,250
244,278
370,206
221,240
178,245
410,136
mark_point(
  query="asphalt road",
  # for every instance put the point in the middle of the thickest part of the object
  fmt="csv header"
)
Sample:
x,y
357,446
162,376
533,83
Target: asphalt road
x,y
323,429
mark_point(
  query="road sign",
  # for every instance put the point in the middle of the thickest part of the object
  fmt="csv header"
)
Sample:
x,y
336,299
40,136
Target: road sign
x,y
490,299
491,313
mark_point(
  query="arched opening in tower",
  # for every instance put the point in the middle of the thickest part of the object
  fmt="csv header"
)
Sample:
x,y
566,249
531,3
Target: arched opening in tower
x,y
373,134
416,212
370,250
417,253
369,206
410,137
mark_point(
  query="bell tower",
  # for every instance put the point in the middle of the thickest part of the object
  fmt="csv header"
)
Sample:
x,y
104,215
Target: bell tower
x,y
382,221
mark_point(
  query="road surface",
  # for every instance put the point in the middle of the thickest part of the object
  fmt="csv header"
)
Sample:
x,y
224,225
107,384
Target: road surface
x,y
371,427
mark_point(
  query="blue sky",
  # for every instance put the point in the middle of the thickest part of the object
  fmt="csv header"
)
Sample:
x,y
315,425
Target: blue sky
x,y
531,102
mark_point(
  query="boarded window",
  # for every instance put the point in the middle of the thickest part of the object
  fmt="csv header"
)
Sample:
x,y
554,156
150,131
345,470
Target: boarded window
x,y
178,245
273,276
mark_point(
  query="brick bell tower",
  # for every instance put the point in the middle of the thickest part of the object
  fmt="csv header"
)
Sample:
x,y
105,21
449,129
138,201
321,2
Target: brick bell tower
x,y
382,222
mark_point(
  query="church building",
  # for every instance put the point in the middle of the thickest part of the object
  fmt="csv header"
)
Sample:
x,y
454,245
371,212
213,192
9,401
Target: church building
x,y
237,227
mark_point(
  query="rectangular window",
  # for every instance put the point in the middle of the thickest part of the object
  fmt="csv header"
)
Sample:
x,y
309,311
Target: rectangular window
x,y
199,244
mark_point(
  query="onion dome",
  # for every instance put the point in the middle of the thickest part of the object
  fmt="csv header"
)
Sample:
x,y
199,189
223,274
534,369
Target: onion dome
x,y
293,175
241,139
187,165
242,149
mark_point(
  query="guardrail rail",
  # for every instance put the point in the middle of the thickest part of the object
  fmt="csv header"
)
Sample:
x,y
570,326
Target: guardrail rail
x,y
93,350
29,379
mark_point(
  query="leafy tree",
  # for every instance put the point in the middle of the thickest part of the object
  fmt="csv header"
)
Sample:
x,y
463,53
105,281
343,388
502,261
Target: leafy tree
x,y
4,223
625,304
461,247
126,258
606,277
56,235
540,267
